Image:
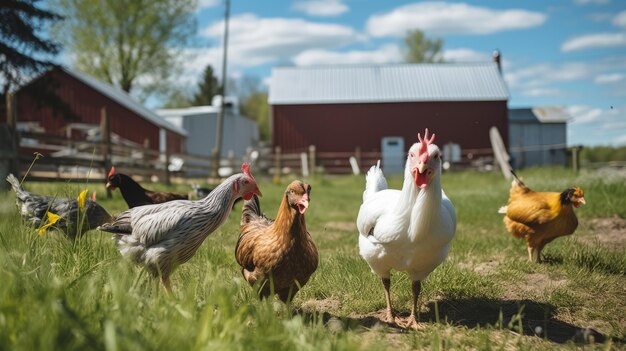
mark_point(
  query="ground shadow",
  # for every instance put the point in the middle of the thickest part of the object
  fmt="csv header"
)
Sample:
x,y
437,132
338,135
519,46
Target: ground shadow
x,y
522,316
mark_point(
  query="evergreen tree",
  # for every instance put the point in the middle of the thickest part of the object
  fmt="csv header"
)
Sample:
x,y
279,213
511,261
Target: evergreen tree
x,y
24,52
208,87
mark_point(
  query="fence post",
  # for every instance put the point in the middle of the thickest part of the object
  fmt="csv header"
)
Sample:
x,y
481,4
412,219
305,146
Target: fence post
x,y
357,156
167,167
105,141
277,165
576,158
312,160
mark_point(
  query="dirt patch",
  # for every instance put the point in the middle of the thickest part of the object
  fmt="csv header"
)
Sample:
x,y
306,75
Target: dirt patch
x,y
482,268
534,283
609,232
325,305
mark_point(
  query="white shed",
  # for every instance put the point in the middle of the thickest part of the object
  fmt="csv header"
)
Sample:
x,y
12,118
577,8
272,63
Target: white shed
x,y
200,122
537,136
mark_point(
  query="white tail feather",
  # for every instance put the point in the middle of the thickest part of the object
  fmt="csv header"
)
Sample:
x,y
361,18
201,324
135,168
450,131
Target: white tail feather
x,y
503,209
374,181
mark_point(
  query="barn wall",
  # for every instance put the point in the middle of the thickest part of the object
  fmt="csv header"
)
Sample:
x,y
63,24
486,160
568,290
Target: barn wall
x,y
86,103
342,127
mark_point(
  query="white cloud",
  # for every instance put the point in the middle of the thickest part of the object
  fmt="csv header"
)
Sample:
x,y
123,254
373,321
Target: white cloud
x,y
255,41
609,78
582,114
621,140
594,41
587,2
543,74
450,18
620,19
205,4
321,7
466,55
385,54
542,92
597,126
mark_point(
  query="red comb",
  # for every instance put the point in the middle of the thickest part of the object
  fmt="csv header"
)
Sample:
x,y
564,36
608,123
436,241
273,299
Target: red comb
x,y
245,168
112,171
424,142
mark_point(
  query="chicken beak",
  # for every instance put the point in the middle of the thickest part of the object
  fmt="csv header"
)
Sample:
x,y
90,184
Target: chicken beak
x,y
258,192
110,186
421,178
421,167
303,204
582,201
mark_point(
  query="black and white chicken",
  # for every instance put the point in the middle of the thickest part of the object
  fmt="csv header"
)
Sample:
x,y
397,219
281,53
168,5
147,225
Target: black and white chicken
x,y
33,208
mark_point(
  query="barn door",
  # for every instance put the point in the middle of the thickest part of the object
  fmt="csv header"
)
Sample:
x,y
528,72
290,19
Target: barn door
x,y
393,154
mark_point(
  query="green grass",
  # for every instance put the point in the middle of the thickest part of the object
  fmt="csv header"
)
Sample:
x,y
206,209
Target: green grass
x,y
58,294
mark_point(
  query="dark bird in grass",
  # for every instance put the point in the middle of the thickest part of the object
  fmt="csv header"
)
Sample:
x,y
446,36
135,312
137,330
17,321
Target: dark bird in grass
x,y
161,237
278,254
72,216
197,192
134,194
539,217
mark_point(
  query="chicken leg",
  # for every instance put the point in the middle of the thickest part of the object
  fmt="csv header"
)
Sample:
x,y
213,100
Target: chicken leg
x,y
389,317
416,287
166,284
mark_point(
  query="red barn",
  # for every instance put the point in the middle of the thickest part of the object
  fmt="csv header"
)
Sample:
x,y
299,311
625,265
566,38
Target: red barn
x,y
81,100
337,108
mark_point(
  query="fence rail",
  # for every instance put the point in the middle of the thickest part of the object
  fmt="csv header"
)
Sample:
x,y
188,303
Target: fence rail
x,y
73,158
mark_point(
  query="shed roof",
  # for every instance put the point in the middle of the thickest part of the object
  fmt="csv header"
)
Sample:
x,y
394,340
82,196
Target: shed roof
x,y
122,98
387,83
544,114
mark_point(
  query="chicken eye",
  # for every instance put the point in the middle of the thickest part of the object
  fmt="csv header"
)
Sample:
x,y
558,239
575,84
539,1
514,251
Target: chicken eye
x,y
411,154
245,182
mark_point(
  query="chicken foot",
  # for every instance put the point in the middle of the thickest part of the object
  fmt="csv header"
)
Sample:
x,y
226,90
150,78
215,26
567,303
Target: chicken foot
x,y
413,320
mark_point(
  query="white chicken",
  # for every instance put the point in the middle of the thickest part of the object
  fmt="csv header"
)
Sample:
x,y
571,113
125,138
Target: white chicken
x,y
407,230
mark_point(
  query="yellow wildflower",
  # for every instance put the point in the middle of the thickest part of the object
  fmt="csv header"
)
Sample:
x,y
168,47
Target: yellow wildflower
x,y
81,199
52,219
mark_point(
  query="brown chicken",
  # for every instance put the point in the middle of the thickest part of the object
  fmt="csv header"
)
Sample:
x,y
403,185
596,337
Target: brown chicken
x,y
540,217
280,254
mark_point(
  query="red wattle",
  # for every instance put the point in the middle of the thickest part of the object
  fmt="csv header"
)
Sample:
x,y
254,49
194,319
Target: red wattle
x,y
421,179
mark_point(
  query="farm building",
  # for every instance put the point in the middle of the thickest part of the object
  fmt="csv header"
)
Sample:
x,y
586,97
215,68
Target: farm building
x,y
200,122
340,108
79,112
537,136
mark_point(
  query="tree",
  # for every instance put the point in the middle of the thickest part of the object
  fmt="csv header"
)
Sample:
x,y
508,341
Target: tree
x,y
122,42
208,87
256,107
421,49
24,52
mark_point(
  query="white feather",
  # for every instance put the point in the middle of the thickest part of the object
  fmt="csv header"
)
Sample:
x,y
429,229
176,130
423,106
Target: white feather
x,y
374,181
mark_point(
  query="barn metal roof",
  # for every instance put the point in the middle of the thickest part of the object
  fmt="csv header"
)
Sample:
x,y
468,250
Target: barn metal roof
x,y
544,114
387,83
125,100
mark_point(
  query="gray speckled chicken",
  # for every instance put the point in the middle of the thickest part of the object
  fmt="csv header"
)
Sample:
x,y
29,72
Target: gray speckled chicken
x,y
33,209
162,236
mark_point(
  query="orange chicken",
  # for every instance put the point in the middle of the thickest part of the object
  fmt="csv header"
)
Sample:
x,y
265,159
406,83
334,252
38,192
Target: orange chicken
x,y
279,254
540,217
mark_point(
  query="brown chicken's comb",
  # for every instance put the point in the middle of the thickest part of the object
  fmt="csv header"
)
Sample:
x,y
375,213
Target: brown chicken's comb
x,y
112,171
423,150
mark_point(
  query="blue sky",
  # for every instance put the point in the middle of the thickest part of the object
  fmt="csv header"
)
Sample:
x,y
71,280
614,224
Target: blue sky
x,y
569,53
